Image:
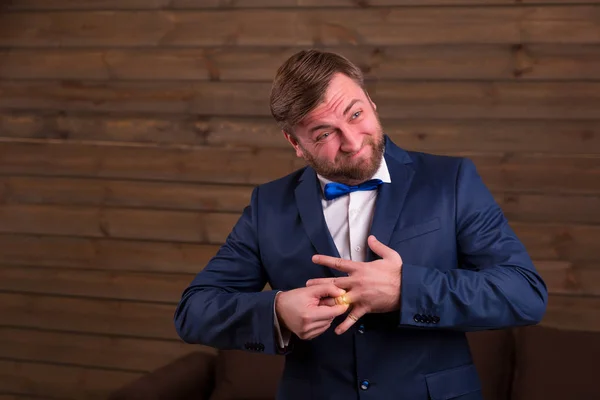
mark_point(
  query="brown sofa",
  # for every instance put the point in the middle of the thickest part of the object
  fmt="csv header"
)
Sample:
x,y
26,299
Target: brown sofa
x,y
519,364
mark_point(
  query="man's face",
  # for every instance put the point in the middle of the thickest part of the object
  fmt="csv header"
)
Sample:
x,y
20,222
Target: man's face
x,y
341,139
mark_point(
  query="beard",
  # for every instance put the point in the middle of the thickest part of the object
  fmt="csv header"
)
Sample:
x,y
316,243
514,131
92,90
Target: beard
x,y
347,170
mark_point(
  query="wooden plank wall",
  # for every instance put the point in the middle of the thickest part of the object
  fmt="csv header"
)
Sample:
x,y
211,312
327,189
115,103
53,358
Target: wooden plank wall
x,y
132,132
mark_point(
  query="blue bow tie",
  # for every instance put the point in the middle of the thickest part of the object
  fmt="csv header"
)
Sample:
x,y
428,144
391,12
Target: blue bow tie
x,y
334,190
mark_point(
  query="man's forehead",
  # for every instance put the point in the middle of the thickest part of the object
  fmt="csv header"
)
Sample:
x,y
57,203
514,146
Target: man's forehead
x,y
323,110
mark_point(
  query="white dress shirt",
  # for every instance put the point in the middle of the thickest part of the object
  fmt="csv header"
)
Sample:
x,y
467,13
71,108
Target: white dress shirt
x,y
348,219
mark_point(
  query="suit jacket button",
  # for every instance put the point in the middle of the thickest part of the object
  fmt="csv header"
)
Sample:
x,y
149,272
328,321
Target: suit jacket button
x,y
436,319
361,328
417,318
364,385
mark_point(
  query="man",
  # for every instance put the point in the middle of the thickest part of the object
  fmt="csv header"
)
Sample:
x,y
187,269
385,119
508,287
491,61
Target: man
x,y
379,258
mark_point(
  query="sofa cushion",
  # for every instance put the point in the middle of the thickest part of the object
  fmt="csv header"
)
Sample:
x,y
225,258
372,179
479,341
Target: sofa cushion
x,y
556,364
493,356
243,375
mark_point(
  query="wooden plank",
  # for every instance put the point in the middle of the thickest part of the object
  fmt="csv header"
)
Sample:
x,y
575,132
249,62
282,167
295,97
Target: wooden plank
x,y
560,276
468,62
517,206
178,226
60,381
544,241
116,285
309,27
573,312
201,98
138,355
526,100
104,254
424,100
228,4
172,164
570,136
128,194
501,171
549,207
560,242
569,278
86,315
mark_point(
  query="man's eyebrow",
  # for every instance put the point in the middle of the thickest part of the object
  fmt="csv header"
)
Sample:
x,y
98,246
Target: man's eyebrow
x,y
326,126
353,102
316,128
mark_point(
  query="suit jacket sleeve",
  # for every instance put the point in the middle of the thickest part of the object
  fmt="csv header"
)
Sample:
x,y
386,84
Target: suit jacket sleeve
x,y
495,285
225,306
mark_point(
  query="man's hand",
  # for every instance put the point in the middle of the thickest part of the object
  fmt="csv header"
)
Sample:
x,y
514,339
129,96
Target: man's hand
x,y
302,311
371,287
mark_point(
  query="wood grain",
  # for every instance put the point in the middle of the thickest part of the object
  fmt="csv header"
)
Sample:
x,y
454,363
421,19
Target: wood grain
x,y
526,207
443,135
561,277
531,172
87,315
110,352
229,4
567,278
310,27
60,381
573,313
518,206
115,285
176,226
460,62
569,242
125,194
431,100
104,254
552,241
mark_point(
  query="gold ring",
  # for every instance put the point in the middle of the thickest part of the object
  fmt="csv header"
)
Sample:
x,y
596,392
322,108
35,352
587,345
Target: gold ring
x,y
352,317
342,300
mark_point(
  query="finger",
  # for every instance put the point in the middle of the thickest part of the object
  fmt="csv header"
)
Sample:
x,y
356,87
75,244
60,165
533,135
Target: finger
x,y
327,301
319,281
327,290
329,312
353,316
336,263
344,282
313,333
381,249
315,325
346,298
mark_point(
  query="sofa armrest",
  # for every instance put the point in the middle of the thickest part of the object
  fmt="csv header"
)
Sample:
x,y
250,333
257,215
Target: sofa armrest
x,y
188,377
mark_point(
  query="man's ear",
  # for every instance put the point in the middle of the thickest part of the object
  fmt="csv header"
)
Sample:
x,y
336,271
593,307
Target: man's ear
x,y
294,142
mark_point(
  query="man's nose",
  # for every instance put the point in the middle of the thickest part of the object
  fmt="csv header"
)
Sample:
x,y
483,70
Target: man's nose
x,y
351,142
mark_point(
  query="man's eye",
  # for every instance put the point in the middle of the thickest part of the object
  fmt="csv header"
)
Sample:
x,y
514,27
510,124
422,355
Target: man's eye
x,y
356,114
323,136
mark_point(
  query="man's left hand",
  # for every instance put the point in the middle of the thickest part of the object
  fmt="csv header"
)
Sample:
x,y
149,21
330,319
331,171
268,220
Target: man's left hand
x,y
372,287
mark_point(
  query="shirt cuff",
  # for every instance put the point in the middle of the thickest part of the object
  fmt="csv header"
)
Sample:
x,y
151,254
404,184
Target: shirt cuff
x,y
283,338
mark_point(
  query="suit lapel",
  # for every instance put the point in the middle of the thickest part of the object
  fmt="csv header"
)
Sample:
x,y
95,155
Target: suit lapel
x,y
391,196
308,201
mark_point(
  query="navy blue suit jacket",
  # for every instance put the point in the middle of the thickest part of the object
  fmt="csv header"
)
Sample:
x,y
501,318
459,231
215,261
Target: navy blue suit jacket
x,y
464,269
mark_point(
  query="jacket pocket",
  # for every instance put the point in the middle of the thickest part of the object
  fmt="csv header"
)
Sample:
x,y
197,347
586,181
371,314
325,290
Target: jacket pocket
x,y
454,382
415,230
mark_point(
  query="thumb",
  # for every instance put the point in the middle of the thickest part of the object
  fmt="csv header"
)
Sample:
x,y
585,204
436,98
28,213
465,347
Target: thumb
x,y
379,248
327,290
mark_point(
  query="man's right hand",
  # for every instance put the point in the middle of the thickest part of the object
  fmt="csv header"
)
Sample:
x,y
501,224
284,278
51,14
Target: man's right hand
x,y
302,312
